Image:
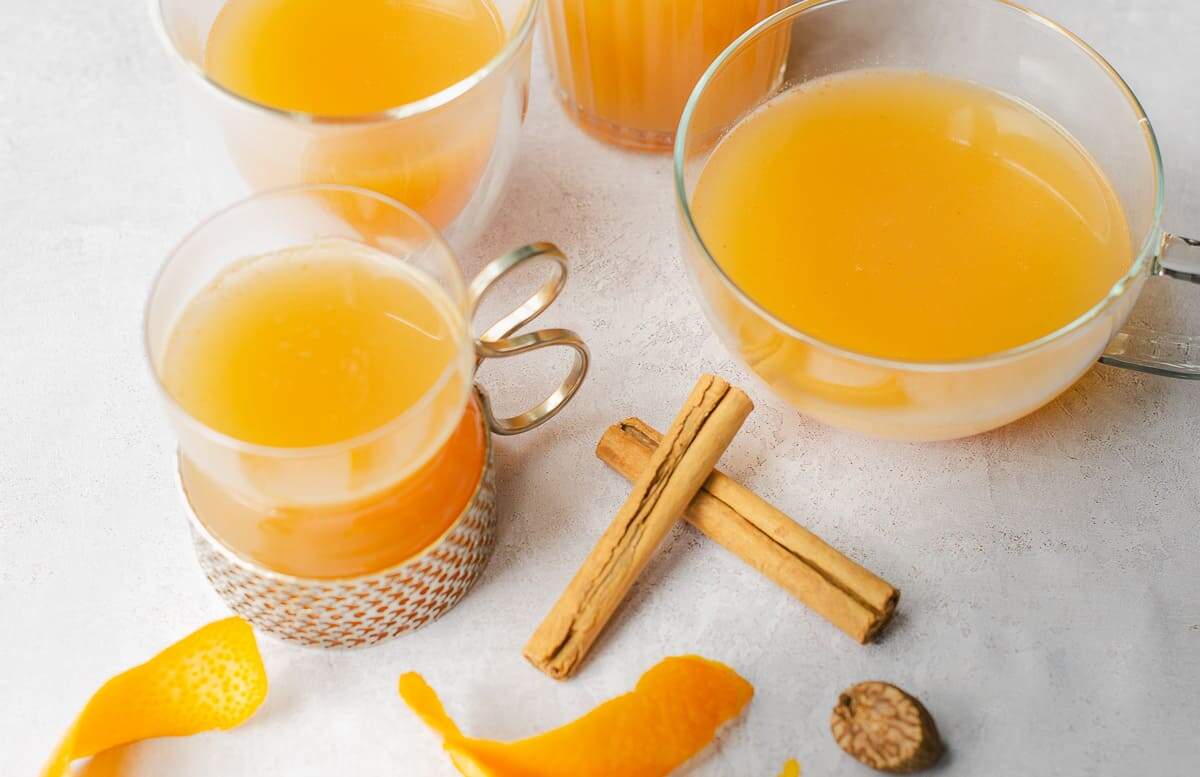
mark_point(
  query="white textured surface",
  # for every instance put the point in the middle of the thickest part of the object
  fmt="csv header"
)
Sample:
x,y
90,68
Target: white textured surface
x,y
1051,611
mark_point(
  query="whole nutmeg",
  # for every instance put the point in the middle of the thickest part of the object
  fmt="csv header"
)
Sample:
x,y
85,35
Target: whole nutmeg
x,y
885,728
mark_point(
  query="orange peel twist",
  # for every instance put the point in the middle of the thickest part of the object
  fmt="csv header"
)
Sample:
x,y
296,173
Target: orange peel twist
x,y
671,715
211,679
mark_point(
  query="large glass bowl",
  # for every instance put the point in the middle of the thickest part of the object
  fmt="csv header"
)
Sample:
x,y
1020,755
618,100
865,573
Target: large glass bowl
x,y
996,44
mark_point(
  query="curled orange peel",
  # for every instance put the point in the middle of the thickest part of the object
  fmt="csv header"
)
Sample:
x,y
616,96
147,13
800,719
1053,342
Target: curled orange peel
x,y
211,679
671,715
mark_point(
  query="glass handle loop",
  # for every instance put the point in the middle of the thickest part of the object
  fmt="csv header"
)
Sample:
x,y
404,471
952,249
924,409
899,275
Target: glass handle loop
x,y
499,341
1162,353
1184,263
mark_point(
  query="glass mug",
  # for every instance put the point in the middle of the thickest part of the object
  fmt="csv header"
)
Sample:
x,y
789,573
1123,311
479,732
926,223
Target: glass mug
x,y
999,45
447,155
358,540
624,68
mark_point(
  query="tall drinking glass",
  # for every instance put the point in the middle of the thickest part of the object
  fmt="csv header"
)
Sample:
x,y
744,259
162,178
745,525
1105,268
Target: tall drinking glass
x,y
625,68
999,45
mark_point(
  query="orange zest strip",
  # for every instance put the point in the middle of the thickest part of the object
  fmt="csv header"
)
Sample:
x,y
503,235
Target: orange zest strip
x,y
211,679
671,715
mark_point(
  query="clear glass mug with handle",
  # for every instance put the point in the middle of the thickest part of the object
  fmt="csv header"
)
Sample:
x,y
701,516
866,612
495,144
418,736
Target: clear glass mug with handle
x,y
1008,48
398,520
447,155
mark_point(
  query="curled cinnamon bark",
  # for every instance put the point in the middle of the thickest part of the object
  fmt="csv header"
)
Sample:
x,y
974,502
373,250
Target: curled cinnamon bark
x,y
674,470
850,597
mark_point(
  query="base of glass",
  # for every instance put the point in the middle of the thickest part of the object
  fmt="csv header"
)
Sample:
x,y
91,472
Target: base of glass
x,y
615,134
351,612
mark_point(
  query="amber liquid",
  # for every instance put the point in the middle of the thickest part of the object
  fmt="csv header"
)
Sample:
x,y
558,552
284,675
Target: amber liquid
x,y
910,216
348,57
327,344
345,58
625,68
345,539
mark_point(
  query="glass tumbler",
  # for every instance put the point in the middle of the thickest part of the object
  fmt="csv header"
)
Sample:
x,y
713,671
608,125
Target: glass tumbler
x,y
999,45
356,540
447,155
624,68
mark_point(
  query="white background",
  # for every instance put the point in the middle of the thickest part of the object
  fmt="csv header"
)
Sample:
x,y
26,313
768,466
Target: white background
x,y
1051,609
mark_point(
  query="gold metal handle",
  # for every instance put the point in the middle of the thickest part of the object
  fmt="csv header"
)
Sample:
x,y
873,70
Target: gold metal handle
x,y
499,342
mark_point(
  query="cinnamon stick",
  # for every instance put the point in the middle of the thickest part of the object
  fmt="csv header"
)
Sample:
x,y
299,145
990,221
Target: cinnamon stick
x,y
672,473
843,592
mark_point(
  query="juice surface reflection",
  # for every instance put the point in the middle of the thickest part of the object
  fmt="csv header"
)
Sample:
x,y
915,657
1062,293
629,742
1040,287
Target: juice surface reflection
x,y
910,216
625,68
347,57
350,368
357,57
310,346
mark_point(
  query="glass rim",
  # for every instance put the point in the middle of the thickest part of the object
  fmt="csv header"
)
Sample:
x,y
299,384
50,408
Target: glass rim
x,y
1149,243
364,438
402,111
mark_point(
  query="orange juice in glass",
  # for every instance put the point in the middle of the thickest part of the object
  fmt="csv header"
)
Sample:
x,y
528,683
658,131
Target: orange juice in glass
x,y
900,173
625,68
314,349
920,235
417,99
317,345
